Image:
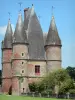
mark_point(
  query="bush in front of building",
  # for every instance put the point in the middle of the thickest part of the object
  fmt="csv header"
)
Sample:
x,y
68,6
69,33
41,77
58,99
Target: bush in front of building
x,y
58,82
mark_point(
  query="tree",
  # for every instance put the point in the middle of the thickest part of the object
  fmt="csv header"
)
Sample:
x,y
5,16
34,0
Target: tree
x,y
71,71
58,81
0,77
66,86
55,82
33,87
36,87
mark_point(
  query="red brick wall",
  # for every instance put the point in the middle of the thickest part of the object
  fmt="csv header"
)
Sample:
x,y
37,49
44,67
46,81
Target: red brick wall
x,y
15,86
7,54
6,70
6,84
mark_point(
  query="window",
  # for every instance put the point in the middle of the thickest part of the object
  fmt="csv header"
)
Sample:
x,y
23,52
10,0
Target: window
x,y
23,90
37,69
22,71
22,54
22,62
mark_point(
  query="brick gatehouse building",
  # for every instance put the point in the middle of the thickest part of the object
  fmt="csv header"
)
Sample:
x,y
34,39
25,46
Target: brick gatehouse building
x,y
26,57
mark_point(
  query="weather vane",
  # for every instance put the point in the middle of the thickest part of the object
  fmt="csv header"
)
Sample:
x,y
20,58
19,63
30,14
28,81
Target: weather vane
x,y
20,3
9,15
52,10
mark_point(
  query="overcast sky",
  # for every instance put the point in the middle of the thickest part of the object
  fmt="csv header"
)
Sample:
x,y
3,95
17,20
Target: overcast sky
x,y
64,13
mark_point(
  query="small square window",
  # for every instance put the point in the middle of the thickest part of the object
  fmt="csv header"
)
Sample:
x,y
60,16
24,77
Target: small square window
x,y
22,71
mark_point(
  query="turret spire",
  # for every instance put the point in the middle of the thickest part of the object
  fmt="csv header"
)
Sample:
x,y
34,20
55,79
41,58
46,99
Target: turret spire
x,y
35,37
53,37
9,15
20,34
8,36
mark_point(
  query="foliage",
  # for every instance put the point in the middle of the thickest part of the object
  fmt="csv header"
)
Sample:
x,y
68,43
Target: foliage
x,y
33,87
66,86
49,91
59,79
71,71
36,87
55,82
72,91
40,87
0,77
44,93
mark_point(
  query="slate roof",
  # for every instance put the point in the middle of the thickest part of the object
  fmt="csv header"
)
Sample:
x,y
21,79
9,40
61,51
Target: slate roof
x,y
27,12
53,37
35,37
20,34
8,36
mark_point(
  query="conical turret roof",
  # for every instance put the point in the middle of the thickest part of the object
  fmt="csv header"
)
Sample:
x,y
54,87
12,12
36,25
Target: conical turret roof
x,y
20,34
8,36
53,37
35,37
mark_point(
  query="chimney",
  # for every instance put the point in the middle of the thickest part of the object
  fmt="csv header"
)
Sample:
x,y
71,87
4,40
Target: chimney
x,y
25,12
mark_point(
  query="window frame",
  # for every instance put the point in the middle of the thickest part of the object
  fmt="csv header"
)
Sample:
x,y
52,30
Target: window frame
x,y
37,69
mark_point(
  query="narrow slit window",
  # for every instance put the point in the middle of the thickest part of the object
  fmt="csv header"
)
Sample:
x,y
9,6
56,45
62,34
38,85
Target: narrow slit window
x,y
22,54
22,62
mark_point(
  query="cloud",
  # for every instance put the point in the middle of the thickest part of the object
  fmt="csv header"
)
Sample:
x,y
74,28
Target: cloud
x,y
3,29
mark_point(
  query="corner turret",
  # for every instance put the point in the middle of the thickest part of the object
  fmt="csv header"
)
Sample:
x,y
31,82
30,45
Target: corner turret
x,y
6,60
53,48
20,58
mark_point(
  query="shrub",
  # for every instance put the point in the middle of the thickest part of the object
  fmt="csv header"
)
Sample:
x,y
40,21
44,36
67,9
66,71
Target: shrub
x,y
49,91
32,87
72,91
44,93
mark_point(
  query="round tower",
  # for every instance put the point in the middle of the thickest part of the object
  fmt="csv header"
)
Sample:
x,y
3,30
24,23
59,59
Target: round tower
x,y
6,60
53,48
19,61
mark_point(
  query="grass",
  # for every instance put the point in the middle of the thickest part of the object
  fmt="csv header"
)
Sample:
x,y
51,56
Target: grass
x,y
8,97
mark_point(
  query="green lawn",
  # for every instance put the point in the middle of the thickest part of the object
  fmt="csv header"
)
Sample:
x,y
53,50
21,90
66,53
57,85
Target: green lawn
x,y
8,97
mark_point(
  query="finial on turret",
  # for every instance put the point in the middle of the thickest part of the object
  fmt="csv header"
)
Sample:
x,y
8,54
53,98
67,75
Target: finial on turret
x,y
9,15
52,10
32,5
20,3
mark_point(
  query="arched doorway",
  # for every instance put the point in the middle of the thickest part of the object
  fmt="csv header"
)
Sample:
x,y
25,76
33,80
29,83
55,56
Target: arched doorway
x,y
10,90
